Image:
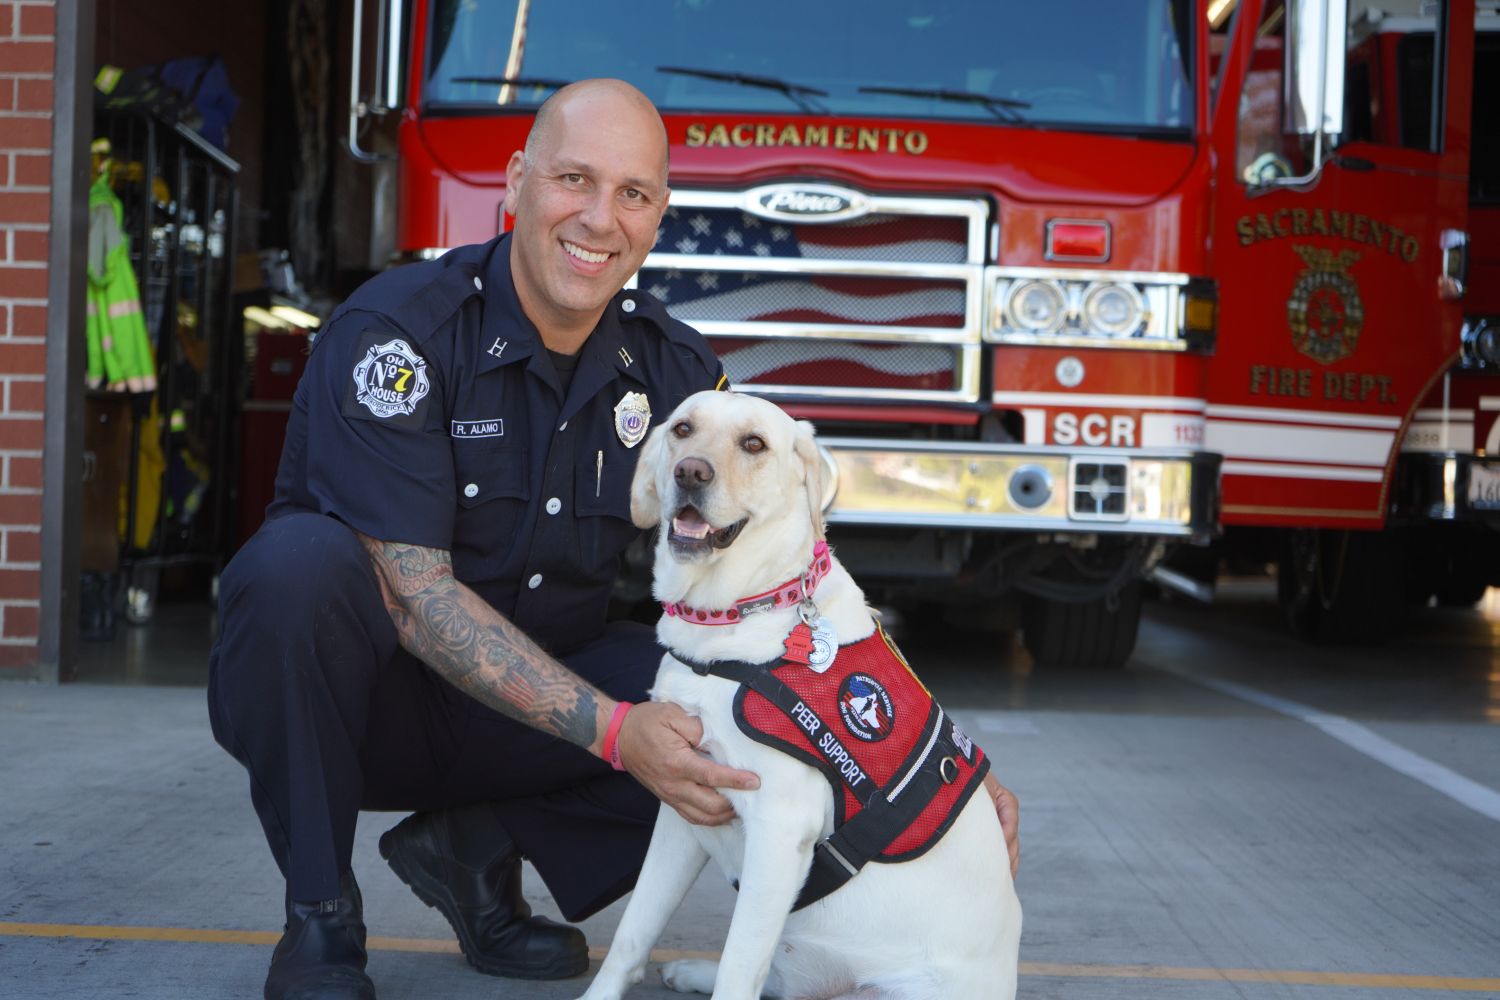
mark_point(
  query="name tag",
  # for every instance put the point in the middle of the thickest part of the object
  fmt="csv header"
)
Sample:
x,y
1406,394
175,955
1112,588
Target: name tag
x,y
478,428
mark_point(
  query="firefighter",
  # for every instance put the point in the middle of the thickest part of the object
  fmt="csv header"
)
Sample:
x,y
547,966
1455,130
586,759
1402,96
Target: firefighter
x,y
420,624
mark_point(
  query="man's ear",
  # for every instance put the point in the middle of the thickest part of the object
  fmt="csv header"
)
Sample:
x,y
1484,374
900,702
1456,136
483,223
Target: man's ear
x,y
645,502
813,475
515,175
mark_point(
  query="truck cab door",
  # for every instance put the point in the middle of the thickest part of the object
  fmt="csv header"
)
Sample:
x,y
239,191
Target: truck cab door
x,y
1334,250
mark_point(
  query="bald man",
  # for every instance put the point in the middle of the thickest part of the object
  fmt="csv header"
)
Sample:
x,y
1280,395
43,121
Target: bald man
x,y
421,622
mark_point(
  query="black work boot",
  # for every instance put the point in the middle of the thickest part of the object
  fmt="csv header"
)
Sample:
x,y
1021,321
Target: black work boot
x,y
462,862
321,954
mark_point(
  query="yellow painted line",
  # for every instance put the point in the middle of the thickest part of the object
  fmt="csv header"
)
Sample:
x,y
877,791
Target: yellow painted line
x,y
1051,970
1284,977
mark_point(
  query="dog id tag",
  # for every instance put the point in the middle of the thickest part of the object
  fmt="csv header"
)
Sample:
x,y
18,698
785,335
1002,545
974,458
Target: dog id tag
x,y
825,646
798,643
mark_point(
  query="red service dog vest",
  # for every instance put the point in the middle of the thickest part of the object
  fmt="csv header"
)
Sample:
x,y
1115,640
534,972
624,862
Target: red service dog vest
x,y
900,768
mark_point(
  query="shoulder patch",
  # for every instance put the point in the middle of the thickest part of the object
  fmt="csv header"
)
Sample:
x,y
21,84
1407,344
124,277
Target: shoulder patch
x,y
387,380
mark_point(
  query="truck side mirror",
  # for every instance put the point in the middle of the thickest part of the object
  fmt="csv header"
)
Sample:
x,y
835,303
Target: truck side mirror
x,y
1312,80
1313,75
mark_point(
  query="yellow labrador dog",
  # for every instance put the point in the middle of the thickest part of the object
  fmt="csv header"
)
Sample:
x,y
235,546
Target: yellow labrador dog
x,y
734,485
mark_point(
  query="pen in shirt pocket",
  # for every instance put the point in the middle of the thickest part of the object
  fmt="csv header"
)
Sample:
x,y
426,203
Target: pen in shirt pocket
x,y
598,473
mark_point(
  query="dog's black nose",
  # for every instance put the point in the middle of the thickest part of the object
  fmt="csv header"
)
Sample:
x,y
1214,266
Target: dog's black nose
x,y
691,472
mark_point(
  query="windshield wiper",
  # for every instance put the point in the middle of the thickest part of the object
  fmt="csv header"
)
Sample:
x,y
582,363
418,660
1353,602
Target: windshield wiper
x,y
1003,108
791,90
514,81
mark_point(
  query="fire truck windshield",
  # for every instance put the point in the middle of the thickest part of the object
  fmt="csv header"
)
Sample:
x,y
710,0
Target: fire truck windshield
x,y
1086,64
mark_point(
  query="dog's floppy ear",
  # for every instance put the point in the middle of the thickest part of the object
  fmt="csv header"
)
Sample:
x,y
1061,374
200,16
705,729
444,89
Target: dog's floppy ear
x,y
645,504
813,475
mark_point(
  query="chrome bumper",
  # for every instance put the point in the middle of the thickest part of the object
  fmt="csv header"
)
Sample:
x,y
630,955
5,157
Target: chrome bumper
x,y
1023,488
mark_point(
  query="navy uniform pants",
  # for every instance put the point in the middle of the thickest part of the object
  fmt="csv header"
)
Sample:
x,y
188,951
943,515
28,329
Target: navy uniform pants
x,y
309,690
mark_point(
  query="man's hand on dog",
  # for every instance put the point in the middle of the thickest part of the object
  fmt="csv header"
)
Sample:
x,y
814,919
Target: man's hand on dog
x,y
1009,811
658,746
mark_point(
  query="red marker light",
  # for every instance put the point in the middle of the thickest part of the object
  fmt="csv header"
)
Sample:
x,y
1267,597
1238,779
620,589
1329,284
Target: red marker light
x,y
1075,240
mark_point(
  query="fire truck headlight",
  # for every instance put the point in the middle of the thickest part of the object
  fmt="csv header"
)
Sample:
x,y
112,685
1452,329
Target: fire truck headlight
x,y
1036,306
1113,309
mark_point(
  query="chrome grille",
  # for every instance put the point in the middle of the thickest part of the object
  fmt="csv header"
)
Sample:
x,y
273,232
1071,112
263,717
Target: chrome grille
x,y
785,365
703,297
879,302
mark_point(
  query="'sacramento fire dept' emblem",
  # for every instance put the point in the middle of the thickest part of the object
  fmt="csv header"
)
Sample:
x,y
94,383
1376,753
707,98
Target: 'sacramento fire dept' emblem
x,y
391,379
1325,311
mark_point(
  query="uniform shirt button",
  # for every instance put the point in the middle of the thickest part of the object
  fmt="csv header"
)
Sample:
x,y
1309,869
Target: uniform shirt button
x,y
563,426
554,505
628,306
478,284
472,490
535,581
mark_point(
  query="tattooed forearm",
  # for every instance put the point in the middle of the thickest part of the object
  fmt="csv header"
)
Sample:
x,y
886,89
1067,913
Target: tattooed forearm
x,y
449,627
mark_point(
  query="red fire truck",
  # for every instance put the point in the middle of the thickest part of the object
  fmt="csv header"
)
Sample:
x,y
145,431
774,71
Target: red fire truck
x,y
1032,269
1352,394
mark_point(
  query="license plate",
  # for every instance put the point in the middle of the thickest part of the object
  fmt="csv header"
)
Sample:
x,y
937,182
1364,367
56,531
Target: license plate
x,y
1484,487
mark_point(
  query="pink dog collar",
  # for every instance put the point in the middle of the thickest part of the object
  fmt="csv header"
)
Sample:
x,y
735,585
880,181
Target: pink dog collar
x,y
788,595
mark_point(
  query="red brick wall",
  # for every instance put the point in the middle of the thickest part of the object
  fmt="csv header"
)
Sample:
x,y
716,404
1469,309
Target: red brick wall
x,y
27,29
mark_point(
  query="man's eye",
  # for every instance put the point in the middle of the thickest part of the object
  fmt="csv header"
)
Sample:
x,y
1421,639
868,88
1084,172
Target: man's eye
x,y
634,194
753,444
682,429
573,178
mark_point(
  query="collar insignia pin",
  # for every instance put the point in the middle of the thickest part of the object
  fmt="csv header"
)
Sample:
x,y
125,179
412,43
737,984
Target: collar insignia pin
x,y
632,418
498,347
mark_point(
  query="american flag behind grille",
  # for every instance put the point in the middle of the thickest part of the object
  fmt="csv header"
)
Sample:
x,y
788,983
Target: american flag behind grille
x,y
750,296
915,239
838,363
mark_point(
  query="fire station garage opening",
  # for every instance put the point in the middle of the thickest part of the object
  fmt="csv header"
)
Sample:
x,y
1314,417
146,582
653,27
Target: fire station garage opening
x,y
1171,292
225,222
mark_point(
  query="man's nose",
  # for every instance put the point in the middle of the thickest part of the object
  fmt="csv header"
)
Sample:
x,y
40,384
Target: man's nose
x,y
691,472
599,214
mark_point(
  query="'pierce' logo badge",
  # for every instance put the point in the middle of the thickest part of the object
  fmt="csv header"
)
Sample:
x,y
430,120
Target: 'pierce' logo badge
x,y
806,202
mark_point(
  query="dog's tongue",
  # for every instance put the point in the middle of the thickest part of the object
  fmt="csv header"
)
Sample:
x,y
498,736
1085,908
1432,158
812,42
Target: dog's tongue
x,y
690,524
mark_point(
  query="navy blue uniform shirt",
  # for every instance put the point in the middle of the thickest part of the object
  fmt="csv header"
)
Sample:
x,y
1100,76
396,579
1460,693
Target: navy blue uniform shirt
x,y
430,413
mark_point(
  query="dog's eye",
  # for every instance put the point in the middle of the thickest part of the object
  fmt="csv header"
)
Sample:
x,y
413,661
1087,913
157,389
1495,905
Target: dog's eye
x,y
682,429
753,444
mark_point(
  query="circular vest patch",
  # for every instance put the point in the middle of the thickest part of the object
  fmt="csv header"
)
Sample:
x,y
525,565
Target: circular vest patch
x,y
866,708
391,379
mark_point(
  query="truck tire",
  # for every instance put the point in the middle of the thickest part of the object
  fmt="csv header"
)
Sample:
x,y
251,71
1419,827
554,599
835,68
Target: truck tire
x,y
1341,586
1093,634
1462,589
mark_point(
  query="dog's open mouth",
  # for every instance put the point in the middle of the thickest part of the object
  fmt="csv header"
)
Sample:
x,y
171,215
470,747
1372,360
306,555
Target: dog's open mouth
x,y
690,533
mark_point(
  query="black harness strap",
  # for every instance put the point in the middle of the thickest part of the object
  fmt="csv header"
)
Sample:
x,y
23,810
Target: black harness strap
x,y
860,840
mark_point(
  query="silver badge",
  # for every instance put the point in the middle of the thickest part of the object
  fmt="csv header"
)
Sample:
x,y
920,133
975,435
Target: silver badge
x,y
632,417
825,646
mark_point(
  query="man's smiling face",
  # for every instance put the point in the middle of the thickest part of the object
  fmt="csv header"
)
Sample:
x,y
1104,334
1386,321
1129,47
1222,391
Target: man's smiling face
x,y
587,201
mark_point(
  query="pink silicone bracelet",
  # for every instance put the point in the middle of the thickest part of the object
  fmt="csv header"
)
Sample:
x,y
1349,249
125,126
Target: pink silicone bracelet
x,y
611,749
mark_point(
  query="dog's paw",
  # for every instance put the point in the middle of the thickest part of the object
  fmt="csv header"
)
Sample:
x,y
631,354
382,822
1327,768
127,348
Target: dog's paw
x,y
690,975
596,993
